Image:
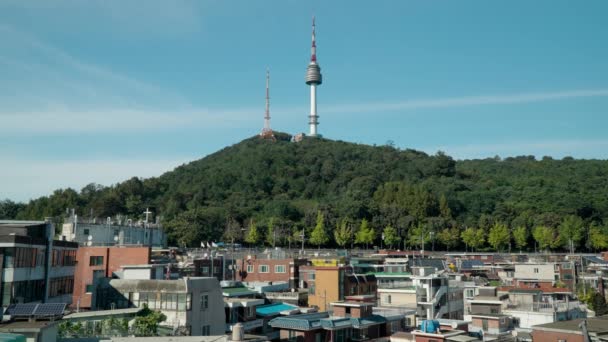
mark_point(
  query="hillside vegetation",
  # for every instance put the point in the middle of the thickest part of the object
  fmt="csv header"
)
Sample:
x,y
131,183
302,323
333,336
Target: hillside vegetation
x,y
262,191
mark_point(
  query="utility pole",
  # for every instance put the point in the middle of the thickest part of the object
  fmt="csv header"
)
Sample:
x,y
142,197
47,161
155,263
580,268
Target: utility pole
x,y
302,241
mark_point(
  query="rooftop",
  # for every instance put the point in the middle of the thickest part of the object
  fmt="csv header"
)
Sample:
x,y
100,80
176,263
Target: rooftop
x,y
299,322
236,291
595,324
101,313
273,309
26,326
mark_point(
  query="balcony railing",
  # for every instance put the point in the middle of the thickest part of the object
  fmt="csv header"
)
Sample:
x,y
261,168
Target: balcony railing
x,y
405,285
556,306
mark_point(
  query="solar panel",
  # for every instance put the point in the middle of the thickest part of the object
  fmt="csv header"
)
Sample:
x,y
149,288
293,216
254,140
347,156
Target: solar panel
x,y
21,309
8,309
50,309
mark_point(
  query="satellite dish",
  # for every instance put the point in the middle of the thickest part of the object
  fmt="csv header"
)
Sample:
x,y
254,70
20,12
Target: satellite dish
x,y
454,325
116,238
90,237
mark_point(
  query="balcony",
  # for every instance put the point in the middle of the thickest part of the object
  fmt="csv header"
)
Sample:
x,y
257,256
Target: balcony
x,y
556,306
403,285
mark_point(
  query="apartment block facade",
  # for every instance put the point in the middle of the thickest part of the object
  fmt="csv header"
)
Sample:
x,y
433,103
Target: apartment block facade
x,y
101,262
35,267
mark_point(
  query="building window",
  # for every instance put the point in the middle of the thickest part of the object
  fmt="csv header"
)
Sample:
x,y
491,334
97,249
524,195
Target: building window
x,y
204,302
293,337
263,269
249,268
535,270
388,299
311,290
95,260
205,270
279,269
86,232
311,276
206,330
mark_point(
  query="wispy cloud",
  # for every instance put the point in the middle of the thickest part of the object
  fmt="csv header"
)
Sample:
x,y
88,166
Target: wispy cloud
x,y
464,101
26,183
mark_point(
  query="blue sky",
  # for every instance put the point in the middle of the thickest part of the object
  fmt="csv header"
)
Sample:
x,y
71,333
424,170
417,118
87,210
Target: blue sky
x,y
100,91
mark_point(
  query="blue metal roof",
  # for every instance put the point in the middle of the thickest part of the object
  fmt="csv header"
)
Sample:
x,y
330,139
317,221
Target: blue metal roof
x,y
595,260
367,321
273,309
299,322
336,323
470,264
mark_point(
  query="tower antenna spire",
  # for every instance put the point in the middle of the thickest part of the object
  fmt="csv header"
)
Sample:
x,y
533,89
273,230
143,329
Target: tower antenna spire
x,y
313,49
313,79
267,131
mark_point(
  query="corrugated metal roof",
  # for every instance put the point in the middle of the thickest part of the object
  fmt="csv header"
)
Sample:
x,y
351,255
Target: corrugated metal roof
x,y
299,322
366,321
336,323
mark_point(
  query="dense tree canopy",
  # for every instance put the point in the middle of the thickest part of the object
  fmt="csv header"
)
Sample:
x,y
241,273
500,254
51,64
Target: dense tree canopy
x,y
284,185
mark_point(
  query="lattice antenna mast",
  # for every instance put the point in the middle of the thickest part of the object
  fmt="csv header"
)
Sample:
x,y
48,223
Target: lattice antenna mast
x,y
267,131
267,115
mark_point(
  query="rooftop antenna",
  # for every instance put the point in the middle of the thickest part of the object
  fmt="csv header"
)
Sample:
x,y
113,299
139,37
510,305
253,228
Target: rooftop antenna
x,y
267,131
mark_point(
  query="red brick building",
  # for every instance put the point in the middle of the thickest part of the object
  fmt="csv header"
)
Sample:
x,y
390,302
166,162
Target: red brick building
x,y
275,270
101,262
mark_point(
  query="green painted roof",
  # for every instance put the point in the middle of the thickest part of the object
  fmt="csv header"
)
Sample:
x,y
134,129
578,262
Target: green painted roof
x,y
12,337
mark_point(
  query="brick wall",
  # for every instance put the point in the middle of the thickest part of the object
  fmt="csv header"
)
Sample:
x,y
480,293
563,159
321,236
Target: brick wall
x,y
272,274
113,259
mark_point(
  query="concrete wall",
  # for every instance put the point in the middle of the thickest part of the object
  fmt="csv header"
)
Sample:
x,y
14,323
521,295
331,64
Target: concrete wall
x,y
214,314
405,298
527,271
326,287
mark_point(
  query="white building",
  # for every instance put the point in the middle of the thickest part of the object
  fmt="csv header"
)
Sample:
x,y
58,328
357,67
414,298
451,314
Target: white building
x,y
436,297
190,304
115,233
530,307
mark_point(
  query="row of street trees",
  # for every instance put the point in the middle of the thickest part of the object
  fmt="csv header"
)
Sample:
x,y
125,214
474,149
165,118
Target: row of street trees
x,y
499,237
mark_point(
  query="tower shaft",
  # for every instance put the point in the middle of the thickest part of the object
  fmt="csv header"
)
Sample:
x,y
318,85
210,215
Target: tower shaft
x,y
313,122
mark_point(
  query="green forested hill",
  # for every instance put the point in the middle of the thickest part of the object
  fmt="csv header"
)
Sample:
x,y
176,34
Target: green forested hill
x,y
290,185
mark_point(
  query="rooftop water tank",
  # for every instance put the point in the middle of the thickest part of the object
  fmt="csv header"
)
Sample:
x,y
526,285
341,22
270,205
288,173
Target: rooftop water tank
x,y
429,326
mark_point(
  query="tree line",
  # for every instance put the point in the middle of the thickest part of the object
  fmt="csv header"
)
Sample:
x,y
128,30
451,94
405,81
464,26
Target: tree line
x,y
357,194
